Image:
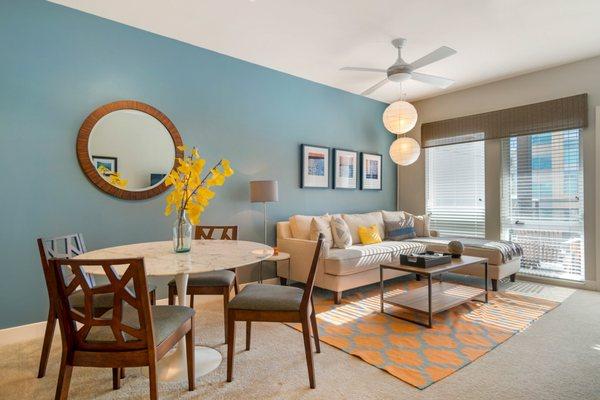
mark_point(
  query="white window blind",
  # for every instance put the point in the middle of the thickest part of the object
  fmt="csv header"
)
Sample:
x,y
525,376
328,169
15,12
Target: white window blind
x,y
455,189
542,202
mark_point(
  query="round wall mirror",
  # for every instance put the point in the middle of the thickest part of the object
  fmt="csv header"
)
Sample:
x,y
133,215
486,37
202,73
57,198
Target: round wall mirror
x,y
127,148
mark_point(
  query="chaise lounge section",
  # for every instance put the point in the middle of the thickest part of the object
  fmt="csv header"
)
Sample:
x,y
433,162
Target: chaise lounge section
x,y
342,269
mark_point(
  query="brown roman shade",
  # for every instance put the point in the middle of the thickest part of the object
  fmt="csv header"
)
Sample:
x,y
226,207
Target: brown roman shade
x,y
548,116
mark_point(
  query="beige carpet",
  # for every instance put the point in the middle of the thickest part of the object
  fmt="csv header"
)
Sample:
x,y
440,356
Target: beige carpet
x,y
557,358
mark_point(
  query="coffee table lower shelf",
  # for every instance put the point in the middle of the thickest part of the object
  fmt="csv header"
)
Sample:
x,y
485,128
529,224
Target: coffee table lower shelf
x,y
432,299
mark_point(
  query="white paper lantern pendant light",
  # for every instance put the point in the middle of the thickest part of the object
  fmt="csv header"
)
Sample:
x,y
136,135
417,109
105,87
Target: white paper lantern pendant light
x,y
399,118
405,151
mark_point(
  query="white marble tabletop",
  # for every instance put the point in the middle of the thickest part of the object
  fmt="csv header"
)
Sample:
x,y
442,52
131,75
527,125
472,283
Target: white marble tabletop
x,y
205,255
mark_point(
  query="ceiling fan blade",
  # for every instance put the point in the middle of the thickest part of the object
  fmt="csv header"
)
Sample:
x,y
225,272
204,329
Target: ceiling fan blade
x,y
362,69
432,80
432,57
375,87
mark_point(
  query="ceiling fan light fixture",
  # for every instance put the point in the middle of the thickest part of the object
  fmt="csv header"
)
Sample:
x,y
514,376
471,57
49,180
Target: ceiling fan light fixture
x,y
400,77
405,151
400,117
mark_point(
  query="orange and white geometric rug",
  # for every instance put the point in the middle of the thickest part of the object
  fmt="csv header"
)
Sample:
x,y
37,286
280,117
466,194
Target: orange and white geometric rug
x,y
413,353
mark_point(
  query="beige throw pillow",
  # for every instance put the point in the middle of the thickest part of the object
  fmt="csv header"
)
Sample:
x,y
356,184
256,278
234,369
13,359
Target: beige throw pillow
x,y
340,232
320,225
355,221
300,225
421,223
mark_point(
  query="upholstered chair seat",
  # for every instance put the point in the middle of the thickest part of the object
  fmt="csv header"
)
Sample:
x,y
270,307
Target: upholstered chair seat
x,y
211,278
211,282
267,298
274,303
166,320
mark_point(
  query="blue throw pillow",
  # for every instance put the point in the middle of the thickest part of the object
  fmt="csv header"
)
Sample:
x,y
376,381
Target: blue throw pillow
x,y
400,230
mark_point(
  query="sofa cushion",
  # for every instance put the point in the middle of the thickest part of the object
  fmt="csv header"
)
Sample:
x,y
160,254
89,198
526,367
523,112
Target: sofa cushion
x,y
440,244
340,232
392,215
300,225
360,258
354,221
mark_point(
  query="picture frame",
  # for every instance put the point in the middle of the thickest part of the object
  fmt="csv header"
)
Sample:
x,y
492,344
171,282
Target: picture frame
x,y
111,163
371,168
345,169
314,166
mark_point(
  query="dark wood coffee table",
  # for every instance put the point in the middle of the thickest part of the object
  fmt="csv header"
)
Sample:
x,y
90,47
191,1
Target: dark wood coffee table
x,y
435,297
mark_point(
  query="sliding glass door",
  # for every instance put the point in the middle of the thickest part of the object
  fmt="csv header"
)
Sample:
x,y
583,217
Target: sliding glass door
x,y
542,202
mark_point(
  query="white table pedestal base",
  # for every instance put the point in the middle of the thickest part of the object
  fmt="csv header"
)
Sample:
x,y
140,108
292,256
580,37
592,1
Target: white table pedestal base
x,y
173,366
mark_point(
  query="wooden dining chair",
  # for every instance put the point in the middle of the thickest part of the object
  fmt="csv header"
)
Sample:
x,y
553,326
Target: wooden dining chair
x,y
131,334
274,303
67,246
213,282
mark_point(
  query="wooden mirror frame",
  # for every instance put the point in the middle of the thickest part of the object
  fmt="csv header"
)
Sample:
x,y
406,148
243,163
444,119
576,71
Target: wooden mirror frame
x,y
83,154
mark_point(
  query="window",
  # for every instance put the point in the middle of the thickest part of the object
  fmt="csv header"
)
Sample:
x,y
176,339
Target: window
x,y
542,202
455,189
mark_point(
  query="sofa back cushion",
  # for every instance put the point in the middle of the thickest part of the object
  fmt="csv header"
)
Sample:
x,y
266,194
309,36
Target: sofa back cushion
x,y
392,215
354,221
300,225
340,232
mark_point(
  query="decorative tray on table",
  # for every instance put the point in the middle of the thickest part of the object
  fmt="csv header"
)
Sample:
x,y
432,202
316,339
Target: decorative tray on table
x,y
425,260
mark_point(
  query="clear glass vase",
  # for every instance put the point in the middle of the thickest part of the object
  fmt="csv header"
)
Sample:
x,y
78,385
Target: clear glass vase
x,y
182,234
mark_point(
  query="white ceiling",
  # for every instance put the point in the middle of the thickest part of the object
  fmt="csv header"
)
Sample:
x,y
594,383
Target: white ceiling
x,y
312,39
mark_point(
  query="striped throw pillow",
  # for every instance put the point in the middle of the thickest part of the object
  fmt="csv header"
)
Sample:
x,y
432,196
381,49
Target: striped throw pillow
x,y
341,233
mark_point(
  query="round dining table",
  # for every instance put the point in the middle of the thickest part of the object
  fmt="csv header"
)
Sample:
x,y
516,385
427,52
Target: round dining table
x,y
161,260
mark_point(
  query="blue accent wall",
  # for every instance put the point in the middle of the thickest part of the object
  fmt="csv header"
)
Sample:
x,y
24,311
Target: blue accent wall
x,y
58,64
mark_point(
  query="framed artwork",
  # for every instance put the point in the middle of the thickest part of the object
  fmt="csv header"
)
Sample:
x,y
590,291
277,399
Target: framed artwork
x,y
370,171
109,163
345,169
314,166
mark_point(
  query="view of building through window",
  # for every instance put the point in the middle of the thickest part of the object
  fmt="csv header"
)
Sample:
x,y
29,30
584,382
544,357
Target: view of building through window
x,y
542,202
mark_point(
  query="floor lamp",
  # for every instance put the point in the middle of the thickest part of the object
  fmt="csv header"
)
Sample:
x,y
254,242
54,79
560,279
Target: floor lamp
x,y
264,192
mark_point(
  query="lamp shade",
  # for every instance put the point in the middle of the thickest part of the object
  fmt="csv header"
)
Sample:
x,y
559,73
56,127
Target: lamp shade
x,y
400,117
263,191
405,151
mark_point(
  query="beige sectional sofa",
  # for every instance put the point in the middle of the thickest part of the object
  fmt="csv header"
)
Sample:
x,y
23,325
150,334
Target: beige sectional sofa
x,y
342,269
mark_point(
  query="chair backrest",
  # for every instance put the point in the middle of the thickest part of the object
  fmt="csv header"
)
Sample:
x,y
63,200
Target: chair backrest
x,y
112,332
66,246
310,281
208,232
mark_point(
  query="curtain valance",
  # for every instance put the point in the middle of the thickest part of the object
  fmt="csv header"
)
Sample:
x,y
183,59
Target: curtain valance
x,y
548,116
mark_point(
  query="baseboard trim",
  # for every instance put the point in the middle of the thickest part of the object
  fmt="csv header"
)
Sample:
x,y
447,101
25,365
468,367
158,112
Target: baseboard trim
x,y
24,333
586,285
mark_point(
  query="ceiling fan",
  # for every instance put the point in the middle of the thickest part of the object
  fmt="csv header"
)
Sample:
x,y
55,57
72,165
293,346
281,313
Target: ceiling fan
x,y
401,70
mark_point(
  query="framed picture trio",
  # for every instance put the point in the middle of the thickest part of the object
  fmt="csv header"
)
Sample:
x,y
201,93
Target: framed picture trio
x,y
351,169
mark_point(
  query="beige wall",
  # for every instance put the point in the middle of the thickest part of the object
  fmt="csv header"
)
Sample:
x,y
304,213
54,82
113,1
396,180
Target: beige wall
x,y
566,80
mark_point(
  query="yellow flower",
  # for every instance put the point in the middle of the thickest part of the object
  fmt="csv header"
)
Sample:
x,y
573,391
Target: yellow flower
x,y
183,147
190,190
227,170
